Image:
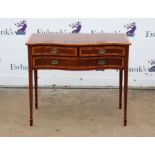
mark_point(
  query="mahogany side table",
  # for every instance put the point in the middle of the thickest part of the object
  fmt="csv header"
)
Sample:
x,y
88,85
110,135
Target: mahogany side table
x,y
78,52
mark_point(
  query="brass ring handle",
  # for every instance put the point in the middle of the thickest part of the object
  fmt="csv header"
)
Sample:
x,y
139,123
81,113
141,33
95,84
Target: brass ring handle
x,y
54,62
101,51
54,50
101,62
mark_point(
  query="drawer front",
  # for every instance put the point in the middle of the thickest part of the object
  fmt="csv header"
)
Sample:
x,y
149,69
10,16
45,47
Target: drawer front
x,y
105,62
78,63
101,51
54,51
54,62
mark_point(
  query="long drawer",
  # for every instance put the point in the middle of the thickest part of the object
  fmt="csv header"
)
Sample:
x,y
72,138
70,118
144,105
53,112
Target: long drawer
x,y
54,51
78,63
102,50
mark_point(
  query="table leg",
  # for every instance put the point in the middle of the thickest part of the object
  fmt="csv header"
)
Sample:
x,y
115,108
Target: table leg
x,y
125,95
36,88
31,95
120,88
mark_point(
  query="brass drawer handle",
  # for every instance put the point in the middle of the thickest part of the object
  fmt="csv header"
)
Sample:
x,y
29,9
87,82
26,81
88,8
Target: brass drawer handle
x,y
54,62
101,51
101,62
54,50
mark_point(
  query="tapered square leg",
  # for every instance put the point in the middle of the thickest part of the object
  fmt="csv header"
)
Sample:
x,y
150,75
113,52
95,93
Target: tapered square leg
x,y
120,88
125,95
36,88
31,96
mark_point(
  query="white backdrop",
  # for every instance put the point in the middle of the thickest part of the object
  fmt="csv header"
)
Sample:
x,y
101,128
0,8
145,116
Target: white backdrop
x,y
13,51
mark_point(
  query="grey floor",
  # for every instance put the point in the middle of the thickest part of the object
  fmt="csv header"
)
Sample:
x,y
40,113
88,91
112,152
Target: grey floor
x,y
77,112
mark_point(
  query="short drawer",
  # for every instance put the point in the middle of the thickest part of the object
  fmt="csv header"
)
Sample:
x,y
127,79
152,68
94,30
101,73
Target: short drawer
x,y
101,51
78,63
54,50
